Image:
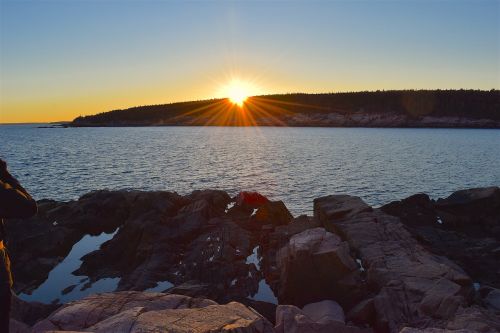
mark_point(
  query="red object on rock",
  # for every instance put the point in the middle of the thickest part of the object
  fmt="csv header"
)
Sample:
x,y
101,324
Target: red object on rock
x,y
253,199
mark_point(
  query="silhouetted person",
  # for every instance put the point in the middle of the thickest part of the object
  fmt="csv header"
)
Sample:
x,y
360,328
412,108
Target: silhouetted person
x,y
15,202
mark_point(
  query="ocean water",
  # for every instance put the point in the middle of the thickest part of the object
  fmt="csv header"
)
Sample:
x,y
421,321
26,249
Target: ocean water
x,y
295,165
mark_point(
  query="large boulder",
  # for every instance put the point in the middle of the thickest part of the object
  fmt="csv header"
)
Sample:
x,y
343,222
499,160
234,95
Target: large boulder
x,y
250,199
272,212
465,227
253,211
315,265
339,207
410,285
473,199
148,312
274,239
325,311
321,317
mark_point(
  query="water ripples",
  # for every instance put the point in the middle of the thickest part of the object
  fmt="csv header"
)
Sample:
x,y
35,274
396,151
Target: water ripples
x,y
295,165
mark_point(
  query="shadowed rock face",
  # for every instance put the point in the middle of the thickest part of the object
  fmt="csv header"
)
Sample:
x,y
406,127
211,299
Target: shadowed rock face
x,y
408,282
154,246
316,265
30,312
38,244
409,285
161,236
465,227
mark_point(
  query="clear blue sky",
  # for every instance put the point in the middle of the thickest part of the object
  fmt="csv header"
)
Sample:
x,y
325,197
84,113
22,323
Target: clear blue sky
x,y
60,59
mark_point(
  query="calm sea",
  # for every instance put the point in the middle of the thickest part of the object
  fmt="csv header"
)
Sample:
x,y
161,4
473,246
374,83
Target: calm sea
x,y
295,165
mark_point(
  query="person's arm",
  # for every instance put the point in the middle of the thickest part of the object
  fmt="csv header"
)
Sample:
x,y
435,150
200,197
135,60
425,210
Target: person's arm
x,y
15,202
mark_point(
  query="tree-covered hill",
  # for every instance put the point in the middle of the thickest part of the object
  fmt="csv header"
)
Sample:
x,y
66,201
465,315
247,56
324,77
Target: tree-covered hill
x,y
393,108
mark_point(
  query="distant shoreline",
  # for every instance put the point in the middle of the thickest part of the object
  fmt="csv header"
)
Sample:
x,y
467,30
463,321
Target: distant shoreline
x,y
69,125
422,126
384,109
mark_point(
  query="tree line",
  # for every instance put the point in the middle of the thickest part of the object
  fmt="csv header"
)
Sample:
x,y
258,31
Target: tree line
x,y
475,104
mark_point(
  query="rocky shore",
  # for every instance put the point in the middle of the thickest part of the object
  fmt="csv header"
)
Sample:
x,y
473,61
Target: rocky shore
x,y
415,265
319,119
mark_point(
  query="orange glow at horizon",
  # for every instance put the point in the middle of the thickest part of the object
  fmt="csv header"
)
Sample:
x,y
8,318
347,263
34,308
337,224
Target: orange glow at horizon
x,y
235,87
237,91
238,99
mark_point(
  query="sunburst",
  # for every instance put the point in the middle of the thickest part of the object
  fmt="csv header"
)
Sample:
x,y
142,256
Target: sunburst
x,y
237,91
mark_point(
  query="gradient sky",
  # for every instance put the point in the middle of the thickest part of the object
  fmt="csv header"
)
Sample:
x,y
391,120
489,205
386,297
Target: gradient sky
x,y
61,59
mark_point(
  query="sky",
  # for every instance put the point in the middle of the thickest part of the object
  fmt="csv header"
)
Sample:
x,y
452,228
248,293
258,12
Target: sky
x,y
62,59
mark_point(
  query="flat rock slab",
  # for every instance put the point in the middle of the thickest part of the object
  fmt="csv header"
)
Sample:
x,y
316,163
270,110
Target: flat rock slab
x,y
152,312
231,317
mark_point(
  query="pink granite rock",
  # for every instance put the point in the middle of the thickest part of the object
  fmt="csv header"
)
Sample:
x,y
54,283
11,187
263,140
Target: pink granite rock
x,y
147,312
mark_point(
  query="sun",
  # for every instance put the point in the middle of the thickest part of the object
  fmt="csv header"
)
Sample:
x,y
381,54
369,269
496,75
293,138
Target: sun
x,y
237,92
238,98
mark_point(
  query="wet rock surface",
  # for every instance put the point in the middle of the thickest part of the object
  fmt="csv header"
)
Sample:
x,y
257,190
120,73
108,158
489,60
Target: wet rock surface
x,y
415,264
38,244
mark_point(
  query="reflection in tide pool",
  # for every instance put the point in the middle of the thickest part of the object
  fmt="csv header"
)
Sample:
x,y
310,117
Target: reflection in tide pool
x,y
61,276
253,259
264,293
161,286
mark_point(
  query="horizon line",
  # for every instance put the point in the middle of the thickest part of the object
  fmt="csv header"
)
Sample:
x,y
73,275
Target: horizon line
x,y
263,95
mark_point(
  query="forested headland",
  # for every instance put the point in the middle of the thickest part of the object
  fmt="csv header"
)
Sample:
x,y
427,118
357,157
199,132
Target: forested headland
x,y
391,108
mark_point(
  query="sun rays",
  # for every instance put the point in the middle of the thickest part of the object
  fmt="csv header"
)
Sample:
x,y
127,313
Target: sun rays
x,y
237,92
241,102
251,111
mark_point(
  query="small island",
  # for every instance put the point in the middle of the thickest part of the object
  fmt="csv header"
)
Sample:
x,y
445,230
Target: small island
x,y
391,108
